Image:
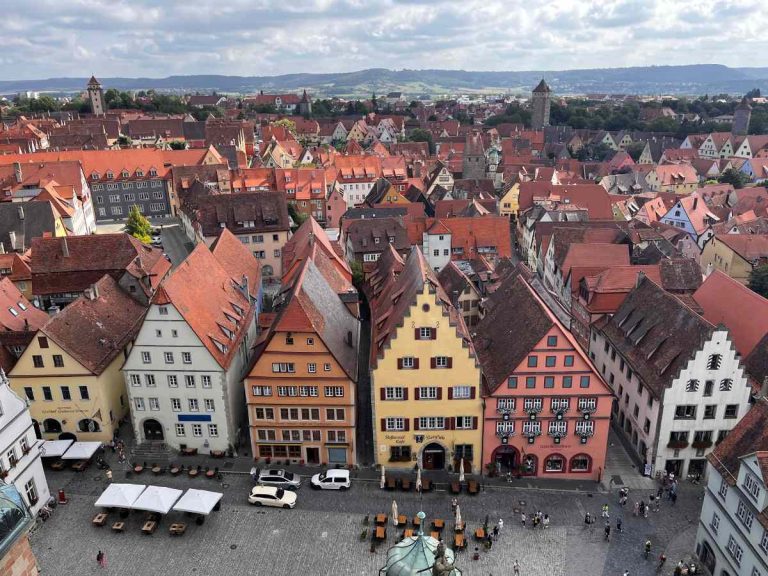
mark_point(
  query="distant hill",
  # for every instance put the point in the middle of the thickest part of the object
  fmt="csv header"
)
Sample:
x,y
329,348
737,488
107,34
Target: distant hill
x,y
692,80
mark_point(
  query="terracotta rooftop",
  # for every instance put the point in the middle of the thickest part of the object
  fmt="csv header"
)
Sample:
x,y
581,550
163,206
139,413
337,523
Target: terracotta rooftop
x,y
16,313
751,247
238,261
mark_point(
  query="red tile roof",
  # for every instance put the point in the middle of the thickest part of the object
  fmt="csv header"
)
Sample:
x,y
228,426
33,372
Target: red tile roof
x,y
16,313
203,292
744,312
238,261
751,247
475,234
94,331
591,196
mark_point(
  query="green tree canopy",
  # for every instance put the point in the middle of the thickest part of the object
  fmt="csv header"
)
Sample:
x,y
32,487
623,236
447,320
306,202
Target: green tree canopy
x,y
138,226
420,135
758,280
734,177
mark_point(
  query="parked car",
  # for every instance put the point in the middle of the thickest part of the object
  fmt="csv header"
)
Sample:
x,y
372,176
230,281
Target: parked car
x,y
332,480
280,478
272,496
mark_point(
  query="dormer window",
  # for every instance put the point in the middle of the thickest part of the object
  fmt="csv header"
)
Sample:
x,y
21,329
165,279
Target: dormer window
x,y
13,311
140,173
21,305
391,239
287,177
95,176
124,174
152,172
237,309
376,240
110,175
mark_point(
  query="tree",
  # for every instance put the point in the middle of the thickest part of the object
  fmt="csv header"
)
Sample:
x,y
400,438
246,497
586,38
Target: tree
x,y
733,177
758,280
420,135
357,273
289,125
297,217
754,93
178,145
138,226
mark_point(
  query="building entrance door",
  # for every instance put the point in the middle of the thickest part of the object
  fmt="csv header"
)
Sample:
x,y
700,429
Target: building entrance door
x,y
153,430
434,457
313,455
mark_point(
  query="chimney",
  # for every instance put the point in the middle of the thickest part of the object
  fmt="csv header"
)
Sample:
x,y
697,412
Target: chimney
x,y
695,202
65,247
21,212
17,172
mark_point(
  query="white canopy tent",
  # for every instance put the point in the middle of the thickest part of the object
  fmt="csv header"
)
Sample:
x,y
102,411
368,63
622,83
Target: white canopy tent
x,y
198,501
54,448
157,499
81,451
120,495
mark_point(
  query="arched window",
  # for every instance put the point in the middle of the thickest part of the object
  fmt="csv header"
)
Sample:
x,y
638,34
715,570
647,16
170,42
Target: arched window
x,y
726,384
51,426
692,385
88,425
581,463
554,463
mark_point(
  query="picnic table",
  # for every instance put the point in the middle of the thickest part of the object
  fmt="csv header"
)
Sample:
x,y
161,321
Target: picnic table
x,y
381,532
100,519
408,532
459,542
426,484
118,526
178,529
149,527
138,469
480,534
381,518
405,485
416,521
175,469
156,470
58,465
80,465
391,483
438,524
455,487
472,487
402,519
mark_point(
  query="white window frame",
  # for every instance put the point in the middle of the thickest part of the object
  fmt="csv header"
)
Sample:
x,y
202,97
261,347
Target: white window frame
x,y
213,430
427,392
210,405
462,392
407,362
464,422
135,379
197,430
558,427
441,361
146,358
431,423
173,381
139,404
205,381
176,404
745,515
736,552
186,357
395,424
154,404
168,357
193,404
394,393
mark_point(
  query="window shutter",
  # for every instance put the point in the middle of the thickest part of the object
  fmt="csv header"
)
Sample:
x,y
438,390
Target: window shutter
x,y
399,363
450,362
450,423
416,334
450,393
383,424
415,423
415,363
474,422
383,394
405,393
439,393
472,392
433,333
417,394
407,424
432,362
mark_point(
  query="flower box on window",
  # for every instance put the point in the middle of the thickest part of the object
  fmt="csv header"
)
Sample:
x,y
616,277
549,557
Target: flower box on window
x,y
677,444
701,444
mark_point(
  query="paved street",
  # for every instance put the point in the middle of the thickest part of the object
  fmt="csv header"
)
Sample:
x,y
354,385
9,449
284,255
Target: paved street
x,y
175,243
323,532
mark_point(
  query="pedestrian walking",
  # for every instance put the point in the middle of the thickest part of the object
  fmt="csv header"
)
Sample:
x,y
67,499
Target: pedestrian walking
x,y
587,520
608,530
636,510
618,524
546,521
535,521
109,475
500,524
605,511
454,503
642,507
496,531
674,498
522,518
98,557
516,568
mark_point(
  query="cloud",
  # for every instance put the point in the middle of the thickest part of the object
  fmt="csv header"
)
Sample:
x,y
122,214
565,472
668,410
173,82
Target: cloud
x,y
263,37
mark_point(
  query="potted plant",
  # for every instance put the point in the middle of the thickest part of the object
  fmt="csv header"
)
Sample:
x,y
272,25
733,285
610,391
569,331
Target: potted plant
x,y
677,444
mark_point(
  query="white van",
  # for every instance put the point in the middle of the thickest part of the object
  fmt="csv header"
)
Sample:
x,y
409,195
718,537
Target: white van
x,y
332,480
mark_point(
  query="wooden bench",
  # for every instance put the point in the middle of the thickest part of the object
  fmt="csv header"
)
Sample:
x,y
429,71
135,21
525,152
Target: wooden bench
x,y
58,465
80,465
416,521
118,526
426,484
381,532
455,488
438,524
405,485
459,543
381,518
100,519
402,519
177,529
407,533
472,487
149,527
391,483
480,534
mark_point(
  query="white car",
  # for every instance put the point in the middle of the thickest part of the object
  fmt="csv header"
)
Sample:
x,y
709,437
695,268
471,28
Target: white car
x,y
332,480
271,496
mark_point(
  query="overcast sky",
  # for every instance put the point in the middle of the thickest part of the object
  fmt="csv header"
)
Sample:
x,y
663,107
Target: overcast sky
x,y
156,38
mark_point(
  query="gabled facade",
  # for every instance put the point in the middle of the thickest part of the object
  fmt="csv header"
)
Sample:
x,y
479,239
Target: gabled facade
x,y
183,375
424,376
692,215
678,380
547,410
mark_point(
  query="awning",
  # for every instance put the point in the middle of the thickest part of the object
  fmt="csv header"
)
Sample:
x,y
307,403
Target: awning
x,y
81,451
120,495
157,499
198,501
54,448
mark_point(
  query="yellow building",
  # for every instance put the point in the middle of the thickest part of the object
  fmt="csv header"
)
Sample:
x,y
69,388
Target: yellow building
x,y
734,254
70,372
509,205
424,377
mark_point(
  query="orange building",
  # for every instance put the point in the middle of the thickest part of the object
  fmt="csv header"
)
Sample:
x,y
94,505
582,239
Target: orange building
x,y
547,410
300,389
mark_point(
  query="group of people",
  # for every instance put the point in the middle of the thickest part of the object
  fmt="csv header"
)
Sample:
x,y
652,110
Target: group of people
x,y
538,520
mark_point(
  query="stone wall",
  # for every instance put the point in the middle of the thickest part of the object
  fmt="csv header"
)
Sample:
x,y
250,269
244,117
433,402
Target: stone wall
x,y
19,560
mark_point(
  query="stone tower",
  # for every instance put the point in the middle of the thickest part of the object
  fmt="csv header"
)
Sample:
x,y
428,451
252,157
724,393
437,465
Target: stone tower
x,y
96,97
305,105
473,165
741,117
541,102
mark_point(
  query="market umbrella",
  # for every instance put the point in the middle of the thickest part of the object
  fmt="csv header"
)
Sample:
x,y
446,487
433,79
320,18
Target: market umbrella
x,y
461,470
458,516
120,495
418,479
383,480
394,513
